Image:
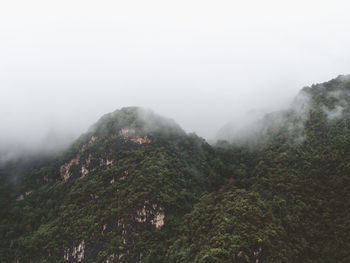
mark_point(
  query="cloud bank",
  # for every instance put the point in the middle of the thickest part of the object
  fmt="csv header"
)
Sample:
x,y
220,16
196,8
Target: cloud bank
x,y
202,63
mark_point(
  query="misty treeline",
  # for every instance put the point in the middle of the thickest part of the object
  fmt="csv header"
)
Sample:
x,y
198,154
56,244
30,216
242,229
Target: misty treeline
x,y
137,188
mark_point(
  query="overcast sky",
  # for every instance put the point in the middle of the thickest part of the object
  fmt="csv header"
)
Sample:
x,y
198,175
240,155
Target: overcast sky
x,y
63,64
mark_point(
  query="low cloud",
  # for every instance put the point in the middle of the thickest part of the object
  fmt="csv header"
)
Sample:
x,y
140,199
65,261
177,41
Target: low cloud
x,y
257,128
65,64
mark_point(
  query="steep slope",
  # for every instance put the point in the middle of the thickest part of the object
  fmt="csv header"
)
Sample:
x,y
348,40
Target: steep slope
x,y
117,195
137,188
292,201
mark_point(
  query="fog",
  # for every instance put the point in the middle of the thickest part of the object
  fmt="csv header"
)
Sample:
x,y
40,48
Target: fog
x,y
63,64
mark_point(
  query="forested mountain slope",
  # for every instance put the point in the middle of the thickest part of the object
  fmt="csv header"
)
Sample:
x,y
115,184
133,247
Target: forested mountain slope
x,y
287,199
137,188
118,194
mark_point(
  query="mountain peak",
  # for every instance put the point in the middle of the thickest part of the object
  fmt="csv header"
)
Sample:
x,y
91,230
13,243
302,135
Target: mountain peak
x,y
320,103
141,120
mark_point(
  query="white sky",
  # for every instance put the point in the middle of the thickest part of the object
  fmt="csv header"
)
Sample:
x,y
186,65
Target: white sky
x,y
63,64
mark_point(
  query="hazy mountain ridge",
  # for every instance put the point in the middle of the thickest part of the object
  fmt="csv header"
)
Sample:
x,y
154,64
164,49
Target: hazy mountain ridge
x,y
124,180
330,98
137,188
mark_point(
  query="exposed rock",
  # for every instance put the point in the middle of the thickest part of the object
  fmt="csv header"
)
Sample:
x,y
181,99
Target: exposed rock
x,y
65,169
88,160
152,214
77,254
127,132
84,171
79,251
110,258
120,256
91,141
106,162
66,254
158,219
20,197
124,234
94,196
141,140
123,178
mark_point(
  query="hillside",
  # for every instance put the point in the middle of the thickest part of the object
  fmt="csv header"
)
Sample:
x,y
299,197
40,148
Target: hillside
x,y
287,199
136,188
118,193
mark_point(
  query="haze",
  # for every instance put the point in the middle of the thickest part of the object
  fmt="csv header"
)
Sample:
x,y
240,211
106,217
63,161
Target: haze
x,y
63,64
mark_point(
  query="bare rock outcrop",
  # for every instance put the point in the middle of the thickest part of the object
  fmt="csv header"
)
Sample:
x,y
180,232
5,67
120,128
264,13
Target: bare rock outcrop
x,y
77,253
65,169
151,213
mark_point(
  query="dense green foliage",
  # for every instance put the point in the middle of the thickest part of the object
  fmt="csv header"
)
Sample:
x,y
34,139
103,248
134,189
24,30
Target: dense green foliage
x,y
136,188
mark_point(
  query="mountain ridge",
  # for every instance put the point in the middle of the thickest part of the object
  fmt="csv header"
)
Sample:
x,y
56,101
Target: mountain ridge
x,y
137,188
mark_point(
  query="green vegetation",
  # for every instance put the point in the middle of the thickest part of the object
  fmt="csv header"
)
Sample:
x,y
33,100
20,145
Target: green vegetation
x,y
137,188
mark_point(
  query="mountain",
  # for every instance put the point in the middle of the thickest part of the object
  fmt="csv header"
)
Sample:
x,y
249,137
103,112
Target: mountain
x,y
136,188
287,196
119,193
